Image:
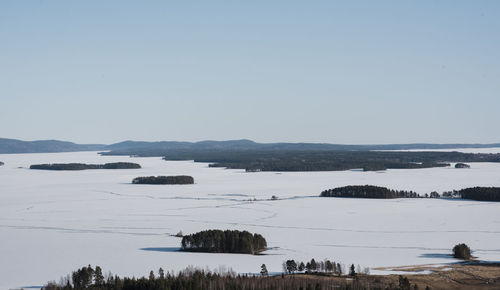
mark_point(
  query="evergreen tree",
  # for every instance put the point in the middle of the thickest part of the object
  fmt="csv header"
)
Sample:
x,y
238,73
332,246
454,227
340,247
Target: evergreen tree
x,y
328,266
301,267
98,277
263,270
83,277
352,271
314,265
291,266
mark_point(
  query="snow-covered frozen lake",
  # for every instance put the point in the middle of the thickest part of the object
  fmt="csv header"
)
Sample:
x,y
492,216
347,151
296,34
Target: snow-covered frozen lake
x,y
53,222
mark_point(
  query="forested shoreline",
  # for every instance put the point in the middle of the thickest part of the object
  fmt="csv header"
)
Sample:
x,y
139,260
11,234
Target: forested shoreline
x,y
368,191
379,192
481,193
313,274
194,278
82,166
252,160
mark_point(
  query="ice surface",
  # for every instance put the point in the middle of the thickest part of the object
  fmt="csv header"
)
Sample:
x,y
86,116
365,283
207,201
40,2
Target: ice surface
x,y
53,222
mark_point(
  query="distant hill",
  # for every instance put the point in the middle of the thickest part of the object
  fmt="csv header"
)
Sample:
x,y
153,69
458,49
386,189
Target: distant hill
x,y
162,148
173,147
141,148
44,146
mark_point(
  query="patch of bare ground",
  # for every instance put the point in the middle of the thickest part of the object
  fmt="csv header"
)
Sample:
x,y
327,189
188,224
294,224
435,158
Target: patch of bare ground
x,y
467,275
471,275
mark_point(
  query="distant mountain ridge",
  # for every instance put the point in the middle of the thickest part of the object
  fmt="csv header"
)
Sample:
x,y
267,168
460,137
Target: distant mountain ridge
x,y
8,146
160,148
165,147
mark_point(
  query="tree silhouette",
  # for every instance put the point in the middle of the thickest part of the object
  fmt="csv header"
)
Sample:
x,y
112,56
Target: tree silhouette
x,y
301,266
263,270
352,271
291,266
98,277
461,251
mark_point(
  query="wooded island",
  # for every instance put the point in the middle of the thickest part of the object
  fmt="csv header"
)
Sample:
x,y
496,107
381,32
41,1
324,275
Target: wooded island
x,y
180,179
82,166
228,241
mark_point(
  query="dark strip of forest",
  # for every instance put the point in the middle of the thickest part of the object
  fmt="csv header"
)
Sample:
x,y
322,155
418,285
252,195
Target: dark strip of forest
x,y
81,166
328,160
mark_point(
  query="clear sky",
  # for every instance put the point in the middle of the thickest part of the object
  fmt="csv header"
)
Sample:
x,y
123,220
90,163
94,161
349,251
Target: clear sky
x,y
316,71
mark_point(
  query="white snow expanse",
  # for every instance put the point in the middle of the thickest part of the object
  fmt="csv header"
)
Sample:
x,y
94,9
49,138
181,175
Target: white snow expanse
x,y
53,222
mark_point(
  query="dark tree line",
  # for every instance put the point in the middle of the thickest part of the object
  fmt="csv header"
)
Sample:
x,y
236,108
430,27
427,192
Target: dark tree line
x,y
312,267
1,163
481,193
304,157
228,241
368,191
121,165
180,179
316,160
195,279
371,191
311,160
81,166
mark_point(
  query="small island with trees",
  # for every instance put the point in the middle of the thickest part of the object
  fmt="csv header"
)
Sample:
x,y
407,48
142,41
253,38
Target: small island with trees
x,y
462,251
1,163
81,166
462,165
180,179
228,241
368,191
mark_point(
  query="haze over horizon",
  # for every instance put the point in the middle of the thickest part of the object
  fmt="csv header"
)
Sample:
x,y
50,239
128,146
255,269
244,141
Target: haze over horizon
x,y
356,72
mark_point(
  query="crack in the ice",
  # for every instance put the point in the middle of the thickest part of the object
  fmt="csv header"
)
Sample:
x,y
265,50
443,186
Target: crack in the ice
x,y
82,230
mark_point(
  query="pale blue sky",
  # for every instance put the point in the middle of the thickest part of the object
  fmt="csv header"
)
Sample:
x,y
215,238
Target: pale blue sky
x,y
315,71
